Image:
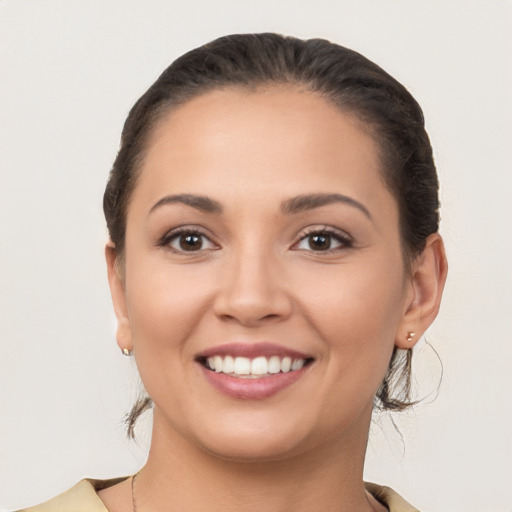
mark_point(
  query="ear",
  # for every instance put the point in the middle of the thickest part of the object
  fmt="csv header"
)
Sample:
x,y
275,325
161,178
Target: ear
x,y
428,276
117,290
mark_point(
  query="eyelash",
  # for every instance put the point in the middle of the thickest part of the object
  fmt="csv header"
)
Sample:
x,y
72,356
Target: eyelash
x,y
174,235
343,239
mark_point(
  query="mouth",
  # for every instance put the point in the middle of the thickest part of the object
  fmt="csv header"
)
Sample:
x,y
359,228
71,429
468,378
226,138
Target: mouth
x,y
252,371
254,368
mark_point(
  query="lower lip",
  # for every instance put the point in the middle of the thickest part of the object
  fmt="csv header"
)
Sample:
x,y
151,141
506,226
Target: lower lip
x,y
251,388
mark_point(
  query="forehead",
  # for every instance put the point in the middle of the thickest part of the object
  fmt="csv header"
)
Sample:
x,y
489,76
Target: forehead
x,y
277,138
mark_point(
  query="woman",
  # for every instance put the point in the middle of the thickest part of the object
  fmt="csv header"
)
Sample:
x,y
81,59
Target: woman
x,y
274,256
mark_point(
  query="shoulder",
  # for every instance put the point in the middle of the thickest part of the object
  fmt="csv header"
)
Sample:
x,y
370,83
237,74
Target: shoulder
x,y
82,497
390,498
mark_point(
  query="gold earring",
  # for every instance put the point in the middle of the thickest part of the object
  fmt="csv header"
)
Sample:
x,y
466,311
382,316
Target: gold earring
x,y
126,352
410,336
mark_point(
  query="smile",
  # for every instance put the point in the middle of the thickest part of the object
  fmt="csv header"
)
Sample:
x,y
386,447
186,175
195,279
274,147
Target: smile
x,y
254,368
252,371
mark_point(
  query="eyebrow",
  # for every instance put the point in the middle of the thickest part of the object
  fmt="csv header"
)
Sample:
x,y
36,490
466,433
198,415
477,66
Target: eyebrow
x,y
311,201
290,206
202,203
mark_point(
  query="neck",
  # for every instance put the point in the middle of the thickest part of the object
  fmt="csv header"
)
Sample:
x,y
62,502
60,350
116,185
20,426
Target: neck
x,y
181,476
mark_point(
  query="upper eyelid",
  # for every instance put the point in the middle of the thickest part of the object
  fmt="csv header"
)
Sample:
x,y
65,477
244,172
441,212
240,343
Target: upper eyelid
x,y
177,231
344,238
198,230
324,229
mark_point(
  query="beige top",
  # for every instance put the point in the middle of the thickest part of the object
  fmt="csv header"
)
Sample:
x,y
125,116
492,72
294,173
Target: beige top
x,y
83,498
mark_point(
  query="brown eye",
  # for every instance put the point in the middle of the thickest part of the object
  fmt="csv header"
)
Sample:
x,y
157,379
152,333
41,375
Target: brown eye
x,y
319,242
190,242
187,241
324,240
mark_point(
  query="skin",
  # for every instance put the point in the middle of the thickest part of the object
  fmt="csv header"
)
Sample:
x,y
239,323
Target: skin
x,y
257,278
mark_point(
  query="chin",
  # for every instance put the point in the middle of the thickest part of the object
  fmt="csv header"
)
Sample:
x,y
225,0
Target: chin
x,y
254,449
256,437
261,438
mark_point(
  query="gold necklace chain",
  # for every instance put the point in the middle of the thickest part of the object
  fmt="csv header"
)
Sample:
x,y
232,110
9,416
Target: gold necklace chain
x,y
134,507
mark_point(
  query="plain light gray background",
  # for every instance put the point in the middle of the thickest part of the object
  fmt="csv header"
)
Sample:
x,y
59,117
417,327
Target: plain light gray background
x,y
69,72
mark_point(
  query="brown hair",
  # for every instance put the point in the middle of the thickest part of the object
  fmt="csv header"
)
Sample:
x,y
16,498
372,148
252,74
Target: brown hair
x,y
342,76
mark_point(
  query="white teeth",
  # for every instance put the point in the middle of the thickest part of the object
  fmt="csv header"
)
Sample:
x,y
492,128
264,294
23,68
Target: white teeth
x,y
257,366
297,364
242,366
274,364
228,366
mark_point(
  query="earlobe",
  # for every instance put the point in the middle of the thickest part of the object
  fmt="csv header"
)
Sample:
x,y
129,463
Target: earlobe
x,y
117,291
428,277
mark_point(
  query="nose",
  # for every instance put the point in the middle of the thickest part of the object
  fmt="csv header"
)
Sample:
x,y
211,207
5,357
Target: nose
x,y
253,291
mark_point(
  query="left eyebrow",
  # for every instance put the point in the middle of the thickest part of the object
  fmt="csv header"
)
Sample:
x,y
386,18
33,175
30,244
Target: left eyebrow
x,y
311,201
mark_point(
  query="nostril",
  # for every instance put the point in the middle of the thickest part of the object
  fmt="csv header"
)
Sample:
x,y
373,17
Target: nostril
x,y
249,318
271,316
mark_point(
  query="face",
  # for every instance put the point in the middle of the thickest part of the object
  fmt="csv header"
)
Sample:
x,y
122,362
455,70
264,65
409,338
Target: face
x,y
264,284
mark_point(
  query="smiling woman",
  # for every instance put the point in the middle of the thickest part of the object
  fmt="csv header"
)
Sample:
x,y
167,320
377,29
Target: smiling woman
x,y
274,257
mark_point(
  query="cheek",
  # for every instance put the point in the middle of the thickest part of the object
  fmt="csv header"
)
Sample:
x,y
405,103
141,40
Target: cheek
x,y
165,305
362,296
356,312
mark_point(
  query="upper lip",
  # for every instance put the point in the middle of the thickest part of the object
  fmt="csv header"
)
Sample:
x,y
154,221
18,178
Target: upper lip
x,y
252,350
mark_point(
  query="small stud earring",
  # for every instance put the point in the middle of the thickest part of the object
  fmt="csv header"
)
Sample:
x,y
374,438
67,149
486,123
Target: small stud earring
x,y
126,352
410,336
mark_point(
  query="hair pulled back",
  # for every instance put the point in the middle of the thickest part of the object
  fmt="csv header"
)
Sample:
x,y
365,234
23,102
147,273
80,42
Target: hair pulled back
x,y
343,77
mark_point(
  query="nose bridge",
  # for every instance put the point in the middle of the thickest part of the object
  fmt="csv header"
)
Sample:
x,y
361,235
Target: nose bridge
x,y
252,290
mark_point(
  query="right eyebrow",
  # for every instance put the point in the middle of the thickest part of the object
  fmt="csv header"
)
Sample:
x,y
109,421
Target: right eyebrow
x,y
202,203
